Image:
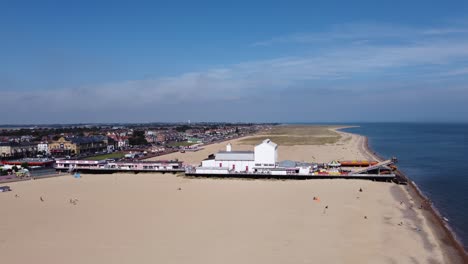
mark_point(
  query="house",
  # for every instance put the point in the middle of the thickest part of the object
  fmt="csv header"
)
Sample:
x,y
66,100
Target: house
x,y
78,145
14,149
43,147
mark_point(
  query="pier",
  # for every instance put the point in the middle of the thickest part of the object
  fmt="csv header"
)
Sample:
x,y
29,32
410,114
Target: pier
x,y
102,166
381,171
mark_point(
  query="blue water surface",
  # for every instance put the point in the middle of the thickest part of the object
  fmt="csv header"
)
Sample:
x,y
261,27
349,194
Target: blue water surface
x,y
435,157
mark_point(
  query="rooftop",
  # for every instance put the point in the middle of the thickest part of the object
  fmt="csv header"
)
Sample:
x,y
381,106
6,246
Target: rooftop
x,y
235,155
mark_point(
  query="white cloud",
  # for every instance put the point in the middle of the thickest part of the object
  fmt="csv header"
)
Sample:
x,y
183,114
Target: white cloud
x,y
232,84
365,32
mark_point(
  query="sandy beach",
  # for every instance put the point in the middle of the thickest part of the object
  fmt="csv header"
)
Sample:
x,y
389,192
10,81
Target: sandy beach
x,y
348,147
165,218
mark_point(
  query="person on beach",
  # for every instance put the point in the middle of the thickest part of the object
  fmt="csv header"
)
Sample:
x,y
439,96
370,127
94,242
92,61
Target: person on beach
x,y
360,189
41,199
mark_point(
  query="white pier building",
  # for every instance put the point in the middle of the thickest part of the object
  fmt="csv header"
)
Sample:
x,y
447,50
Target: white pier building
x,y
263,158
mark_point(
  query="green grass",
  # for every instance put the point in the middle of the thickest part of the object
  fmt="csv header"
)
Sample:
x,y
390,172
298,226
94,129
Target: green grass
x,y
181,144
296,135
115,155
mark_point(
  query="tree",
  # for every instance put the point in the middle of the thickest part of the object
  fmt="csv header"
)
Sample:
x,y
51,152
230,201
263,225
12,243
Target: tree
x,y
138,138
25,165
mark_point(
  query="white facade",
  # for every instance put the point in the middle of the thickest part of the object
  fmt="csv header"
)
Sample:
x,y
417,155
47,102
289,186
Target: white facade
x,y
213,170
264,156
43,147
123,143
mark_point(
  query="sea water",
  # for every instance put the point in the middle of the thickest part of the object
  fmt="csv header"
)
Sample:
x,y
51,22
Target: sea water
x,y
435,157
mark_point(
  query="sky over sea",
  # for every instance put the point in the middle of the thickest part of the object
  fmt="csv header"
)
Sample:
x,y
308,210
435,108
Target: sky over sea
x,y
248,61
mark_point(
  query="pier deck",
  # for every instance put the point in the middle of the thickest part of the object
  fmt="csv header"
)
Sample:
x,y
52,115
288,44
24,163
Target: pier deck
x,y
374,177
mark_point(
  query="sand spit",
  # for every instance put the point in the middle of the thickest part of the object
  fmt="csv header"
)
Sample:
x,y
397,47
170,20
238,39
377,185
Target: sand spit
x,y
348,147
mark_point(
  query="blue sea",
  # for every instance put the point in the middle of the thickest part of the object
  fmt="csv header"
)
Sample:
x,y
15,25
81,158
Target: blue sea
x,y
435,157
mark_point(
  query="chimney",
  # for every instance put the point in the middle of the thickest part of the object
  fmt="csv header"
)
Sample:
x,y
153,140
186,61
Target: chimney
x,y
228,147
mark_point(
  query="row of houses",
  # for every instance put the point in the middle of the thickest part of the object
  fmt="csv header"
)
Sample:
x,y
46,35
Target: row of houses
x,y
17,149
61,147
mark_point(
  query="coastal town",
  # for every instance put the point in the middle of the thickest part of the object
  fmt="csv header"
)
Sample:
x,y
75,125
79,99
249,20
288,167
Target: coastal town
x,y
41,152
39,147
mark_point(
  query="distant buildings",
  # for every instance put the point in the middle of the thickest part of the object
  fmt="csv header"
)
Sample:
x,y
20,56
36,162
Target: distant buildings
x,y
43,147
14,149
78,145
76,140
161,138
120,140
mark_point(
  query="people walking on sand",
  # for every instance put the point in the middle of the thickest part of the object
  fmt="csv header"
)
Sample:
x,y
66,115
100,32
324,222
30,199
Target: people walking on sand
x,y
73,201
325,209
41,199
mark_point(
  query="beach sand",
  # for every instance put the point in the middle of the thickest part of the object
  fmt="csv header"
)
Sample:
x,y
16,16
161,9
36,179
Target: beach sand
x,y
164,218
349,147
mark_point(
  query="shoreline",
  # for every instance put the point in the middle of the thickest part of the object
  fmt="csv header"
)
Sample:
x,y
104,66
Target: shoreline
x,y
430,212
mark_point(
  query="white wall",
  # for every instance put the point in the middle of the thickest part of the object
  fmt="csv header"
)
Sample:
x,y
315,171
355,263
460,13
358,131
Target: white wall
x,y
265,154
43,147
282,172
239,165
208,163
211,171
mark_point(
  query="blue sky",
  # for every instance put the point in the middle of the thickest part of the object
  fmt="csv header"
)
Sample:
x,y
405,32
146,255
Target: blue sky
x,y
252,61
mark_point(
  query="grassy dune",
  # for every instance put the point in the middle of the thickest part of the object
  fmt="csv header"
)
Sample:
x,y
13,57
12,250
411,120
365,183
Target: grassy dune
x,y
297,135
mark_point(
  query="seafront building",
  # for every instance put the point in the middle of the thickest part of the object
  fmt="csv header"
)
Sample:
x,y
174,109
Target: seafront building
x,y
78,145
263,163
14,149
43,147
104,166
264,157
